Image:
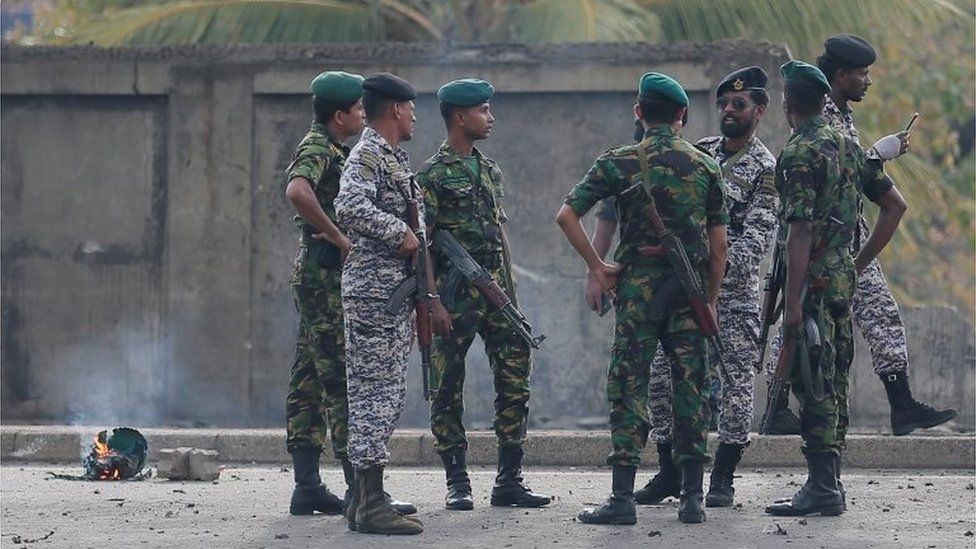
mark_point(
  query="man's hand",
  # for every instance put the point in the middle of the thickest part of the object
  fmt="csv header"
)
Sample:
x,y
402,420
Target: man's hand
x,y
593,292
891,146
606,276
440,319
342,242
792,316
409,245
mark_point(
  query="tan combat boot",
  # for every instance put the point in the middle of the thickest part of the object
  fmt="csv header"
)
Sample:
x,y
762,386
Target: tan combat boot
x,y
374,514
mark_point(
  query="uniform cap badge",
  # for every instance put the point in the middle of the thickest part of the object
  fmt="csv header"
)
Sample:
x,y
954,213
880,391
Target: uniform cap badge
x,y
738,84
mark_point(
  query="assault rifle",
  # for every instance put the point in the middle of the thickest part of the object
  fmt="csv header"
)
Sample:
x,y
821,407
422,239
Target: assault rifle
x,y
683,270
421,288
771,305
806,339
464,266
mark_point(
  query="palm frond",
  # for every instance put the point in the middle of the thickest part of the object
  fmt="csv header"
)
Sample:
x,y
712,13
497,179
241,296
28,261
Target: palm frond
x,y
244,21
583,21
802,24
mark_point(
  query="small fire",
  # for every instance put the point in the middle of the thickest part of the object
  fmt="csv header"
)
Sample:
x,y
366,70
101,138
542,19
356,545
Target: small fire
x,y
105,460
120,456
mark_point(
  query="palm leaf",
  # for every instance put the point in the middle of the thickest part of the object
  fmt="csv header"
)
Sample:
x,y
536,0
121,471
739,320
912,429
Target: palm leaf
x,y
802,24
250,21
549,21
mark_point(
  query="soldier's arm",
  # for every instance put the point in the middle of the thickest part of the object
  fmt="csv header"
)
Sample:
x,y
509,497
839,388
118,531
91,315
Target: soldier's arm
x,y
893,207
798,242
300,194
802,175
596,185
606,224
758,228
875,184
717,218
717,256
355,203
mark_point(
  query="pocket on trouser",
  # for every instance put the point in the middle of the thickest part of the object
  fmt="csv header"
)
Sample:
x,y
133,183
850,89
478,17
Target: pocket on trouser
x,y
298,268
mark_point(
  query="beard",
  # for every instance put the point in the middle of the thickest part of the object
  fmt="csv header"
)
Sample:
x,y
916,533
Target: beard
x,y
735,128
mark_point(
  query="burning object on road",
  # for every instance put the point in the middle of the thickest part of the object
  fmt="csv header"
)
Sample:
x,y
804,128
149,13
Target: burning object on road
x,y
117,457
120,456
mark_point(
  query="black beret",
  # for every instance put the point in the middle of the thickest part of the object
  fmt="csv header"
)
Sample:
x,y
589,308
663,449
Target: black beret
x,y
390,85
744,79
849,50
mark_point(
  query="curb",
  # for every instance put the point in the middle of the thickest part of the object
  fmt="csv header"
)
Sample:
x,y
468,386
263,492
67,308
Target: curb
x,y
414,447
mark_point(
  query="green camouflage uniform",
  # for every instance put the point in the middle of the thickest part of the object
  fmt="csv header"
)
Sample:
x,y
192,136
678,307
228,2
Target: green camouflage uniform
x,y
317,388
690,197
815,187
468,205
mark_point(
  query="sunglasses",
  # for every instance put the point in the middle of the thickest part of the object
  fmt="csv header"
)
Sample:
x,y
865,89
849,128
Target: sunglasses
x,y
738,104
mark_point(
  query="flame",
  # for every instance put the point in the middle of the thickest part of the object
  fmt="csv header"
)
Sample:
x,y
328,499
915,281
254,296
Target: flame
x,y
102,451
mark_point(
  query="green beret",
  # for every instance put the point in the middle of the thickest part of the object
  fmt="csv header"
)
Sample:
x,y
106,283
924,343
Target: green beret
x,y
337,86
466,92
804,73
655,83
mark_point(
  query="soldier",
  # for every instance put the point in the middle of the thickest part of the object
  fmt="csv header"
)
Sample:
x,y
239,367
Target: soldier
x,y
317,388
747,167
846,62
687,187
374,188
818,176
462,195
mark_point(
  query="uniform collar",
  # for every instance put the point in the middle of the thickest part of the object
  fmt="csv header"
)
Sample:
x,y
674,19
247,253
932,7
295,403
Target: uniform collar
x,y
832,108
448,155
661,130
369,134
318,127
814,122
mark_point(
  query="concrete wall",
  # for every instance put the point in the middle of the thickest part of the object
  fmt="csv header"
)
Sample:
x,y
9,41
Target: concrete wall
x,y
146,241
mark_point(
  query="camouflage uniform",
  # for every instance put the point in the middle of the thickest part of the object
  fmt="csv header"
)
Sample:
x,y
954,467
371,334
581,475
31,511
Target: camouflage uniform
x,y
875,310
468,205
690,197
317,388
816,187
752,203
371,205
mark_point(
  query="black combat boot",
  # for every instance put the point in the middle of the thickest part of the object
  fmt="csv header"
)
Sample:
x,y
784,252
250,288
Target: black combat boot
x,y
310,494
458,484
619,507
720,490
840,485
348,471
352,495
509,488
783,420
908,414
374,515
690,510
818,495
666,483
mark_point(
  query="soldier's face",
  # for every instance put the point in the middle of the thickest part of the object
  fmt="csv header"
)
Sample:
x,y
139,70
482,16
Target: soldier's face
x,y
738,114
353,121
854,83
477,121
405,119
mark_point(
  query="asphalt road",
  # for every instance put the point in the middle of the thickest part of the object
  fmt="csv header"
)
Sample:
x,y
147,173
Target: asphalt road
x,y
247,507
